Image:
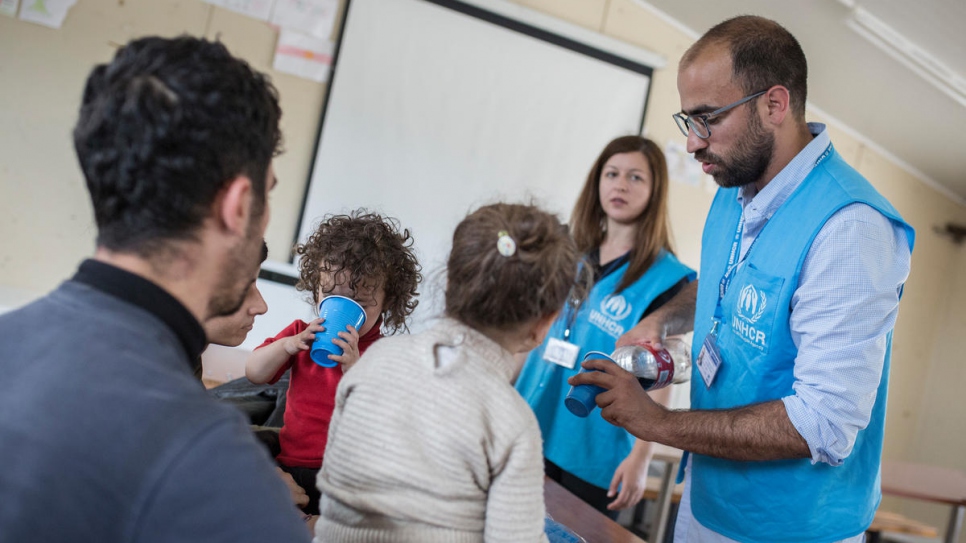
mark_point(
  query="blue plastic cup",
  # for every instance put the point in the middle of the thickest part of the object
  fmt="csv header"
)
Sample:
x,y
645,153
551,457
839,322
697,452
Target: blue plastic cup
x,y
581,399
339,312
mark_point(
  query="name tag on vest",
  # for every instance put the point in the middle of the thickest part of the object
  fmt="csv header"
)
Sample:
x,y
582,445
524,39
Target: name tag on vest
x,y
709,360
561,352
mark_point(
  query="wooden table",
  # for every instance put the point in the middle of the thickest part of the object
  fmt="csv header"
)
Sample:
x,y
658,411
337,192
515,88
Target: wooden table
x,y
929,483
583,519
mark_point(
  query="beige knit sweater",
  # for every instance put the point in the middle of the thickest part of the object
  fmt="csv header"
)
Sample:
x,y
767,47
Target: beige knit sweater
x,y
429,443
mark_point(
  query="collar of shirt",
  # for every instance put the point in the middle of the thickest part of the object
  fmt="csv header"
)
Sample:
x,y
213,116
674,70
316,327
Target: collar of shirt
x,y
593,258
142,293
451,332
758,207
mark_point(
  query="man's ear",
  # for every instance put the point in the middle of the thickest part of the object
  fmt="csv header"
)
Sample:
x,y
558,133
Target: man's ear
x,y
233,205
778,102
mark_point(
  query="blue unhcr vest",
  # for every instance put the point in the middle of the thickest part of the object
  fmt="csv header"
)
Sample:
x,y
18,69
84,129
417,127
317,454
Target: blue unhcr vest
x,y
782,500
591,448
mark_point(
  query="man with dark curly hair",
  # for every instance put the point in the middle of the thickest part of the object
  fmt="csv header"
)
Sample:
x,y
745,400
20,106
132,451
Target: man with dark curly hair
x,y
362,256
107,435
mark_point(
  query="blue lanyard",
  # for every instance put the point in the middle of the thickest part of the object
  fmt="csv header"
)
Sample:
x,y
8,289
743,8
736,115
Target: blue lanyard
x,y
572,307
570,315
733,262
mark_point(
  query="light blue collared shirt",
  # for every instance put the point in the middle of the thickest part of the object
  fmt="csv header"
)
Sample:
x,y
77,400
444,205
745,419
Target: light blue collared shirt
x,y
845,304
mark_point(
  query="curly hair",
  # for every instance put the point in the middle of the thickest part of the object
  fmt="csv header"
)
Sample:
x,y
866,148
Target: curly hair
x,y
163,128
485,288
370,249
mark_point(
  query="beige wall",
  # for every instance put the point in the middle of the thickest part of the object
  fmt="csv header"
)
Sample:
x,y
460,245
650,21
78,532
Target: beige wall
x,y
937,436
45,219
47,225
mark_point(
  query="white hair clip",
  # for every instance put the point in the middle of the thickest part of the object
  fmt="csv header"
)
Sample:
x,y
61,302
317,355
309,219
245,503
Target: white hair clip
x,y
505,244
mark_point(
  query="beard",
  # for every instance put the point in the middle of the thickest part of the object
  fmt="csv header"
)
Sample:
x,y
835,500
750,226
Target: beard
x,y
750,159
243,262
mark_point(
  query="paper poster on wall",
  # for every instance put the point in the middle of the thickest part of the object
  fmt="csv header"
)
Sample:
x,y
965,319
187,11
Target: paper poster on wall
x,y
9,7
303,55
46,12
313,17
682,167
258,9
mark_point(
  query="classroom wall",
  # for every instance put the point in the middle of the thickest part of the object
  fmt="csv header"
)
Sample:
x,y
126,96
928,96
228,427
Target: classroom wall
x,y
45,217
938,432
47,227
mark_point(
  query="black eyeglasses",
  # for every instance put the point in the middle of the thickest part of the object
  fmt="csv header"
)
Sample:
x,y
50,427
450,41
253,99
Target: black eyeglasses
x,y
701,129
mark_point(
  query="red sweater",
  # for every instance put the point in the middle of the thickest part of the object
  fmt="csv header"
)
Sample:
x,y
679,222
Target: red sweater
x,y
309,401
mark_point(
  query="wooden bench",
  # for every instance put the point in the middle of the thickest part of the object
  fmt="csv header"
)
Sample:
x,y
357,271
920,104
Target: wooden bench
x,y
887,522
653,490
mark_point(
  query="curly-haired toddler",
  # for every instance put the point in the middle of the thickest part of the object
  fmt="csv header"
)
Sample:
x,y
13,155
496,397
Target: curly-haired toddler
x,y
362,256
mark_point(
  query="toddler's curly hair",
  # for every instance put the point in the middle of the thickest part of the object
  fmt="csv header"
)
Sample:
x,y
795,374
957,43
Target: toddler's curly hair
x,y
369,248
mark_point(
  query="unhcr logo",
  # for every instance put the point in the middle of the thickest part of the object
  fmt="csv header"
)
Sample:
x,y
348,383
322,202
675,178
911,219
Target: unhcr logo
x,y
750,307
613,309
751,303
616,307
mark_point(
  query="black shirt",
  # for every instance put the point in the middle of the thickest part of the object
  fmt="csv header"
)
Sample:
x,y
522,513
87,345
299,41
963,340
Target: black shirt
x,y
138,291
593,259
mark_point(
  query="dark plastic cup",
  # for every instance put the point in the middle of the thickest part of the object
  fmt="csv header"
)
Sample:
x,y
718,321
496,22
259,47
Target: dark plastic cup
x,y
338,312
580,399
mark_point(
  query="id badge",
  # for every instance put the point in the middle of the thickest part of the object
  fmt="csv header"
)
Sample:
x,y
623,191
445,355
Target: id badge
x,y
709,360
562,353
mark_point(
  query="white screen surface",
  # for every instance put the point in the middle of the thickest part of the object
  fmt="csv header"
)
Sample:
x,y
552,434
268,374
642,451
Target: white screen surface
x,y
433,112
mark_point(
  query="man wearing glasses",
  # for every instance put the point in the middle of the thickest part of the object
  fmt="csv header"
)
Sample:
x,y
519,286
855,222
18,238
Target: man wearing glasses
x,y
802,268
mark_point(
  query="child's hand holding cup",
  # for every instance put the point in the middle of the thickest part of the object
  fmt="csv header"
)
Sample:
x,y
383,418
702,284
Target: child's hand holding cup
x,y
338,313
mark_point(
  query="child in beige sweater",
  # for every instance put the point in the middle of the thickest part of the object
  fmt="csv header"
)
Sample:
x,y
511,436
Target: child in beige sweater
x,y
429,441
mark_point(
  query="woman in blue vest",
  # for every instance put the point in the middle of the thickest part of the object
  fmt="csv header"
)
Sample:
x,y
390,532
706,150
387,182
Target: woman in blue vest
x,y
620,223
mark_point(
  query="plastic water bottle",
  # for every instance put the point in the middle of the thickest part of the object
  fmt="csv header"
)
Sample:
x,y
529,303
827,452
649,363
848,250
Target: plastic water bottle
x,y
656,368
